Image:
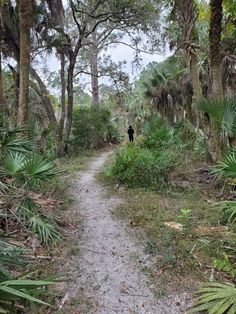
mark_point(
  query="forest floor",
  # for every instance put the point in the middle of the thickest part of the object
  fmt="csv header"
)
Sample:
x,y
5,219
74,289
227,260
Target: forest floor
x,y
106,260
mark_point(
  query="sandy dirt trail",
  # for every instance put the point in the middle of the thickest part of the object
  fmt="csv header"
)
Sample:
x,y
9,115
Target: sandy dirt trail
x,y
105,273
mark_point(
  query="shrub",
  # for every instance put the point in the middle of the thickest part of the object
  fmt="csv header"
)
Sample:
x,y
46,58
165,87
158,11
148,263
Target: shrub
x,y
140,167
92,128
157,134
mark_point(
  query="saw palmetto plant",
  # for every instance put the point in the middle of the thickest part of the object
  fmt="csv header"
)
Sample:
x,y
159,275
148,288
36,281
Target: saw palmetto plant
x,y
226,168
21,172
216,298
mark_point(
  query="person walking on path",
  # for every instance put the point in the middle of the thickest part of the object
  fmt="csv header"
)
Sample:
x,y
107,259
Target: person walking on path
x,y
131,133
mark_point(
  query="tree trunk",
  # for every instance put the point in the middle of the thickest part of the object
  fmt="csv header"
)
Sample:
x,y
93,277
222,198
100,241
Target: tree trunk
x,y
215,47
60,144
46,102
70,104
25,16
1,94
197,92
94,70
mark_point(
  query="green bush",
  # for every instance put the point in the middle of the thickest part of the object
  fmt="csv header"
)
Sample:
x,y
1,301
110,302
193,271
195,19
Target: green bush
x,y
140,167
157,134
92,128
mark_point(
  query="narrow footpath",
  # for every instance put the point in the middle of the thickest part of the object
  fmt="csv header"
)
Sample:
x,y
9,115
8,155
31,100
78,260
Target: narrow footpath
x,y
105,277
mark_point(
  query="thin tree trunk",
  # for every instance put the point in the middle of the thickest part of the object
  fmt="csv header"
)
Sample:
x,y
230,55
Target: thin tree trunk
x,y
215,47
70,86
60,144
1,93
70,104
94,71
197,92
46,102
25,15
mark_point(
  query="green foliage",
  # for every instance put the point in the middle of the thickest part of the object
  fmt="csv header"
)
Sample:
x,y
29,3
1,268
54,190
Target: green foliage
x,y
195,137
222,114
140,167
11,142
158,134
148,163
224,264
17,291
92,128
229,211
21,173
216,298
226,168
46,231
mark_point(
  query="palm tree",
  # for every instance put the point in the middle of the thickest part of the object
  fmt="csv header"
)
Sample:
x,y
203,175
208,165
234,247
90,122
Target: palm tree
x,y
25,22
215,47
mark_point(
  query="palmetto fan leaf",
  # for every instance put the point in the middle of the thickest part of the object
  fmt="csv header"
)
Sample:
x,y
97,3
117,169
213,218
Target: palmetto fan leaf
x,y
227,167
222,114
13,141
12,165
216,298
37,170
46,231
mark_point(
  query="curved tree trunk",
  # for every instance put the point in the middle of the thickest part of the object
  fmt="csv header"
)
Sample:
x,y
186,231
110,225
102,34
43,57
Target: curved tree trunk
x,y
45,99
70,104
60,144
215,47
25,16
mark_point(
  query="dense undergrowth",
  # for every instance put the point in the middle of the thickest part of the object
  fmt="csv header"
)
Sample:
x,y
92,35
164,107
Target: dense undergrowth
x,y
186,207
148,162
29,228
92,128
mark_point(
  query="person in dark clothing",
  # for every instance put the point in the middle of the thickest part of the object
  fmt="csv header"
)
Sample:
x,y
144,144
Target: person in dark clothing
x,y
131,133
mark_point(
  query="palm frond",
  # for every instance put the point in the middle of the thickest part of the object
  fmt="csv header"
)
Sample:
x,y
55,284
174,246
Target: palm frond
x,y
15,140
38,170
216,298
227,167
12,164
46,231
222,114
229,210
27,209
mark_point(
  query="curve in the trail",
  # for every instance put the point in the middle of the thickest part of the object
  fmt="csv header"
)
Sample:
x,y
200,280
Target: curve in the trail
x,y
105,272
